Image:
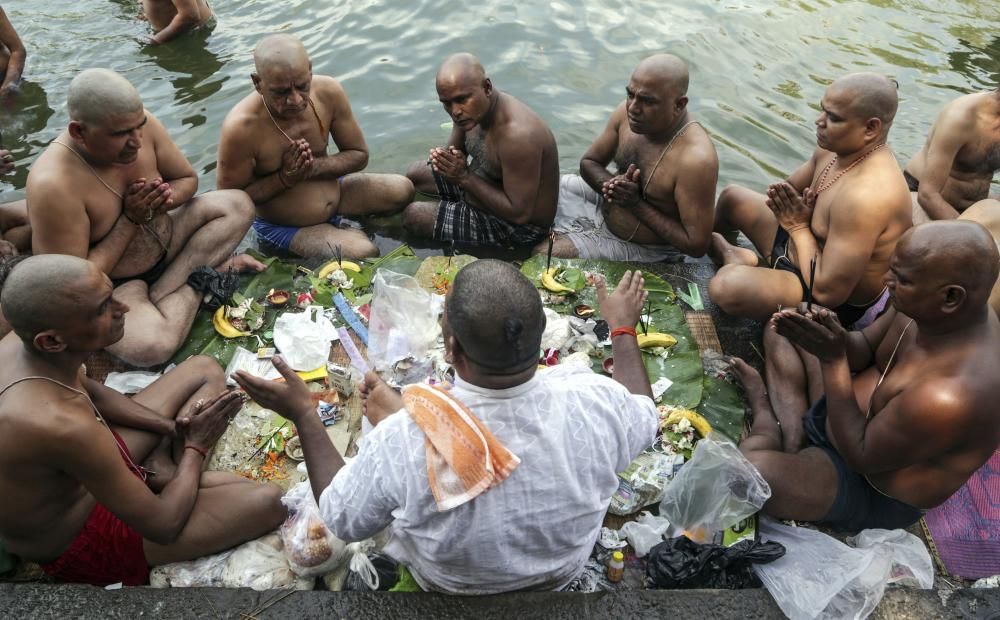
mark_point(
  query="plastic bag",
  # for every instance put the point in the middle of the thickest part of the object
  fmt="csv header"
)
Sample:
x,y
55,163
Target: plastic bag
x,y
311,548
645,532
644,481
304,338
715,490
404,320
682,563
258,564
821,577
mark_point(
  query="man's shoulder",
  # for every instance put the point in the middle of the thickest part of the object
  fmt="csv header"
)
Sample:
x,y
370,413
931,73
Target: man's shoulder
x,y
697,148
55,413
243,117
523,123
328,89
52,173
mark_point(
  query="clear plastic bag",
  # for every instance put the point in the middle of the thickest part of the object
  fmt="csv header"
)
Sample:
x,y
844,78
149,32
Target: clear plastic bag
x,y
645,532
715,490
311,548
404,320
304,338
258,564
821,577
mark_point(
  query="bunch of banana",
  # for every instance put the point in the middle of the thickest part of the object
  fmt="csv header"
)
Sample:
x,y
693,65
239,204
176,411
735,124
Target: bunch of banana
x,y
334,265
700,424
548,280
655,339
223,326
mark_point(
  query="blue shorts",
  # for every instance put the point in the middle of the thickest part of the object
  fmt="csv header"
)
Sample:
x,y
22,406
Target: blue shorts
x,y
281,236
858,504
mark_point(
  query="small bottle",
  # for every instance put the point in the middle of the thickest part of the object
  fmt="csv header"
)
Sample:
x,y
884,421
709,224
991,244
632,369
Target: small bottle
x,y
616,567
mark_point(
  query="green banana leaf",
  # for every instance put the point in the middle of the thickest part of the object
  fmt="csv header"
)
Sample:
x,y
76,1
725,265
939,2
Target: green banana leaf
x,y
722,405
285,275
682,365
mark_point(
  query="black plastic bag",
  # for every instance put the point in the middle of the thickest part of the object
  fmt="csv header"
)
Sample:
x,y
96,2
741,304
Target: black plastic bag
x,y
679,563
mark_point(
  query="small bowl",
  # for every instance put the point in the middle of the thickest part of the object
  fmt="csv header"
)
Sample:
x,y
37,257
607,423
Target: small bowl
x,y
583,311
609,365
293,449
278,299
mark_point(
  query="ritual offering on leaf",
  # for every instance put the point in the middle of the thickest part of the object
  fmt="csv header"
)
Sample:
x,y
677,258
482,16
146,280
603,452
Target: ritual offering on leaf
x,y
561,280
681,429
240,319
337,265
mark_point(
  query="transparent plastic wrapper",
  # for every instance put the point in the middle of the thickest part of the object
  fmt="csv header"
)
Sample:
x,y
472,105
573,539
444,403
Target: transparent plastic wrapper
x,y
258,564
715,490
304,338
821,577
404,321
311,548
644,481
645,532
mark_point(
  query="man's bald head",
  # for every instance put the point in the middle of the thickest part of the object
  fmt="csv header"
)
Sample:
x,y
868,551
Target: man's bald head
x,y
495,313
45,292
872,95
463,68
945,252
96,95
280,51
666,69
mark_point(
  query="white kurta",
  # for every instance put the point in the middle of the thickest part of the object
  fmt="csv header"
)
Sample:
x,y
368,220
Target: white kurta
x,y
572,429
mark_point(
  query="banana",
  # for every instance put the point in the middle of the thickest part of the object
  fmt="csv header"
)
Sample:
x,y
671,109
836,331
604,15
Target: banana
x,y
333,265
223,326
549,282
699,423
655,339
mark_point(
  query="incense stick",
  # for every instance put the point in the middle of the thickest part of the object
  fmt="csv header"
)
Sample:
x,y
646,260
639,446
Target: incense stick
x,y
548,260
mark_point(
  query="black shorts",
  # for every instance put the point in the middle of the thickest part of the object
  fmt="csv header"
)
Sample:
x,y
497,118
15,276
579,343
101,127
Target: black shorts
x,y
858,504
848,314
911,181
150,276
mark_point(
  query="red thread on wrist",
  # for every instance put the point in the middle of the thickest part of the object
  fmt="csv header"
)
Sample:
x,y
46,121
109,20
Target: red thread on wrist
x,y
202,452
623,331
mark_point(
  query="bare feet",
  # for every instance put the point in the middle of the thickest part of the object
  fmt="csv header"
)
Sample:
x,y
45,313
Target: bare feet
x,y
379,401
241,263
724,253
765,431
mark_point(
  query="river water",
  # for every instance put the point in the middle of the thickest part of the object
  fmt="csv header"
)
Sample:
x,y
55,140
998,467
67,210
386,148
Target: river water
x,y
758,67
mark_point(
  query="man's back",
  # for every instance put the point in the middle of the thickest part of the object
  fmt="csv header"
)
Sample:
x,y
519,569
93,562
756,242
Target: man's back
x,y
572,429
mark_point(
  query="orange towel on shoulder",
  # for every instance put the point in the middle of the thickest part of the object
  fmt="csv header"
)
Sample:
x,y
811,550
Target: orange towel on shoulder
x,y
463,457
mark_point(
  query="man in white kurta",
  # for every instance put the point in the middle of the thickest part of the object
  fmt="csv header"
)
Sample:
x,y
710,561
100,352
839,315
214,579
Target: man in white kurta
x,y
572,430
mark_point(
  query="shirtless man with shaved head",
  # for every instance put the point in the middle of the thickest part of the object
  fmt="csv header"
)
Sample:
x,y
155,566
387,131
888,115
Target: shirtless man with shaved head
x,y
660,204
172,18
106,486
897,416
113,188
274,146
506,194
844,209
955,168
